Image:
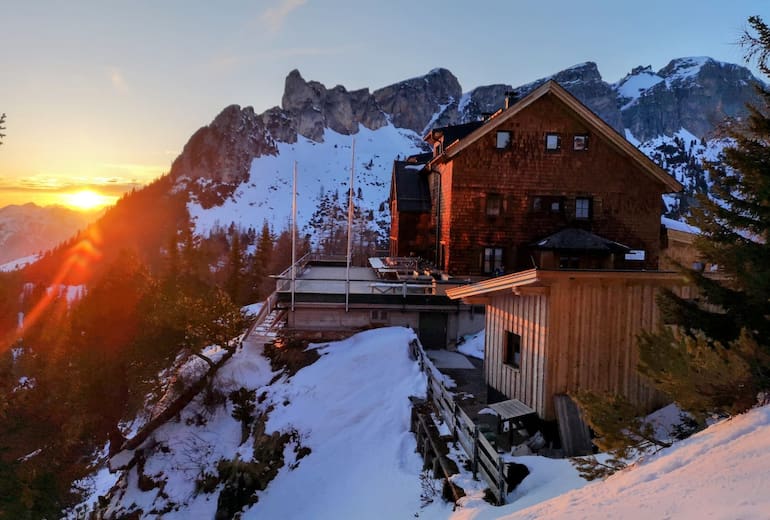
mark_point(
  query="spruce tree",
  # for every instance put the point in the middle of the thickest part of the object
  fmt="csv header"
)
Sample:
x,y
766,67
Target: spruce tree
x,y
716,359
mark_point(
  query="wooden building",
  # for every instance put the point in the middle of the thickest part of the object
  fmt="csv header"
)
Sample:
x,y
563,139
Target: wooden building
x,y
552,332
543,183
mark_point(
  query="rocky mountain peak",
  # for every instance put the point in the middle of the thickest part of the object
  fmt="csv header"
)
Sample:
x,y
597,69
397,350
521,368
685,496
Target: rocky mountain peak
x,y
695,93
314,108
419,103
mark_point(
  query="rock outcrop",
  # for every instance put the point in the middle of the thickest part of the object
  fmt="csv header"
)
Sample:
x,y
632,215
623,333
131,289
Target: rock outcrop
x,y
419,103
315,108
692,93
223,150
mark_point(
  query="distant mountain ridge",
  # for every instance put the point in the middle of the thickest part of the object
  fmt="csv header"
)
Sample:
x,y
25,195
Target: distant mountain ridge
x,y
29,228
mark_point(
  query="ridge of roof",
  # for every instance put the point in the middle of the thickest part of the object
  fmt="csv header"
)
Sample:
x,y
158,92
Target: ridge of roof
x,y
552,87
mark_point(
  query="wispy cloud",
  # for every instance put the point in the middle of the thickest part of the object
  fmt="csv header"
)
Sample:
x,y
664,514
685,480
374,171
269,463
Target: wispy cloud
x,y
274,16
117,80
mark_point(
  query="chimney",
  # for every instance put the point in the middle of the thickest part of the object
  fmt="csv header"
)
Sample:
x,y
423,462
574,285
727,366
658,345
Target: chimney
x,y
511,97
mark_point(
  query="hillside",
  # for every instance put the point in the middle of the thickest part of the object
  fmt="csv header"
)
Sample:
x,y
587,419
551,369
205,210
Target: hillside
x,y
349,450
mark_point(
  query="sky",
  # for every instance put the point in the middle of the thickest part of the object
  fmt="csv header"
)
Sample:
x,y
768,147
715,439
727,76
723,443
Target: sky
x,y
105,94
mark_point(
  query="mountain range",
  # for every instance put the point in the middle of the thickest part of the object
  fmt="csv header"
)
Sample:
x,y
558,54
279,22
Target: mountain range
x,y
238,169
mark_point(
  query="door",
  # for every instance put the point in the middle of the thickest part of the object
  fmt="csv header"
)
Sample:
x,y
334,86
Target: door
x,y
432,331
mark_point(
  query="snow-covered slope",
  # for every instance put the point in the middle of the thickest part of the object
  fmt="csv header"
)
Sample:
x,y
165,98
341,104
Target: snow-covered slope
x,y
349,454
321,167
722,473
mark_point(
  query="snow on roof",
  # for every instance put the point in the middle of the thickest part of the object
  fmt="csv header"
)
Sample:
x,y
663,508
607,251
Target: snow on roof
x,y
678,225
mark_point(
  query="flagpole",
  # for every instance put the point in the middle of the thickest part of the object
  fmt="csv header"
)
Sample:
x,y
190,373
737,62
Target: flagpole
x,y
350,224
293,235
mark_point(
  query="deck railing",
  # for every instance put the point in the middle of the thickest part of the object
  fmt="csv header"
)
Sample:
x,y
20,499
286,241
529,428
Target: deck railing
x,y
485,460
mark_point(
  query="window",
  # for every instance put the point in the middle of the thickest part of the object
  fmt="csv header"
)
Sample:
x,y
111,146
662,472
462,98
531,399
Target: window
x,y
552,142
379,316
492,260
580,142
512,354
546,204
635,254
494,204
583,208
503,139
569,262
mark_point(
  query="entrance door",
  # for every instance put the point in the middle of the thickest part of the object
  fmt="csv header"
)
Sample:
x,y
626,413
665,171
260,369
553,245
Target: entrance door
x,y
432,331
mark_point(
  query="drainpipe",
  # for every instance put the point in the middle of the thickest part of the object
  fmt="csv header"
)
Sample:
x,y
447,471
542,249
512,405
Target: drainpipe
x,y
438,217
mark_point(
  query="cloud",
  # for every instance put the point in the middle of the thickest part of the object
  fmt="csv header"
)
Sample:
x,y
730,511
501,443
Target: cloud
x,y
117,80
274,16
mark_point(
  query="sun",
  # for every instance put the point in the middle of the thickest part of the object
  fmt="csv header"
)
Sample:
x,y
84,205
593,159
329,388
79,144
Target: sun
x,y
85,200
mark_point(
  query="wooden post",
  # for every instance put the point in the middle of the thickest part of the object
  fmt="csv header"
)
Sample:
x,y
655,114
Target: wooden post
x,y
500,481
455,420
475,451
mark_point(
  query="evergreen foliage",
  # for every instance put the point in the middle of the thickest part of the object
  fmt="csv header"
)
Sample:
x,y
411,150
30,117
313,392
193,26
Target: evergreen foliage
x,y
619,431
718,358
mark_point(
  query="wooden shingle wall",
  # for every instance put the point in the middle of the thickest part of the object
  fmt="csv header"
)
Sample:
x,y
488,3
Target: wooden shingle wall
x,y
626,200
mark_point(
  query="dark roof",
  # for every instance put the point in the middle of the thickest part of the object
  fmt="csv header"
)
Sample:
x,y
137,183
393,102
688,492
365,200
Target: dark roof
x,y
411,189
579,240
454,132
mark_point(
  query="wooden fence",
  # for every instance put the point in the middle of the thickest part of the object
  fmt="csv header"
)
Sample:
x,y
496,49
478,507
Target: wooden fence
x,y
485,461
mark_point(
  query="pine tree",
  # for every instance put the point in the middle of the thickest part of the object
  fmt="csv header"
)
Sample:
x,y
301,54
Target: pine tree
x,y
718,357
2,127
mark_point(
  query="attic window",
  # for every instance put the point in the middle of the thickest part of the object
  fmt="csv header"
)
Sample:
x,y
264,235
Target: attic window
x,y
552,142
503,140
580,142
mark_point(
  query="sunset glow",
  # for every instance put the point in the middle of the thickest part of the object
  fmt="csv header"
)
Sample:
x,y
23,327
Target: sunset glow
x,y
85,200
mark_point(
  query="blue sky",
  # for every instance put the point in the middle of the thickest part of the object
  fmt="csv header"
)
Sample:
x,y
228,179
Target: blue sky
x,y
107,93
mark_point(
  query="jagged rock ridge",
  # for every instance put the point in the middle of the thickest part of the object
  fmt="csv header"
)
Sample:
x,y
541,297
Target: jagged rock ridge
x,y
694,94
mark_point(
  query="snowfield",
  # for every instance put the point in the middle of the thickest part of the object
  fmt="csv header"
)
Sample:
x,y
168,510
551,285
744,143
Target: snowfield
x,y
722,473
351,408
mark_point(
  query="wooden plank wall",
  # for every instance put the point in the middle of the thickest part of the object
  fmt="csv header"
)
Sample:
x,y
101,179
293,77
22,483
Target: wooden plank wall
x,y
593,338
527,316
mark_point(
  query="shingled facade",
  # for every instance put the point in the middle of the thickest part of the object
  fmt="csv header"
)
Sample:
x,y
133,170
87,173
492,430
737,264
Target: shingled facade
x,y
544,183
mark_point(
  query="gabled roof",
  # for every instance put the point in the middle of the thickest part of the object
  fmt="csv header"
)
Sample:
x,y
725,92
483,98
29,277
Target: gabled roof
x,y
580,110
409,188
575,239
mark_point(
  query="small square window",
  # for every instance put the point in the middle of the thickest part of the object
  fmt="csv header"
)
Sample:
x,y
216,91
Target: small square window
x,y
379,316
503,140
512,354
555,206
552,142
580,142
583,208
494,204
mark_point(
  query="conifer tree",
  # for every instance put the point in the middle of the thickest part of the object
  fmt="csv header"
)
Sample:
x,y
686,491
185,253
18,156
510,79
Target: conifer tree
x,y
717,358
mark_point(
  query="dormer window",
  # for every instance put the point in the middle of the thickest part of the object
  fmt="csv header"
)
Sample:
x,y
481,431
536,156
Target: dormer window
x,y
552,142
438,149
503,140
